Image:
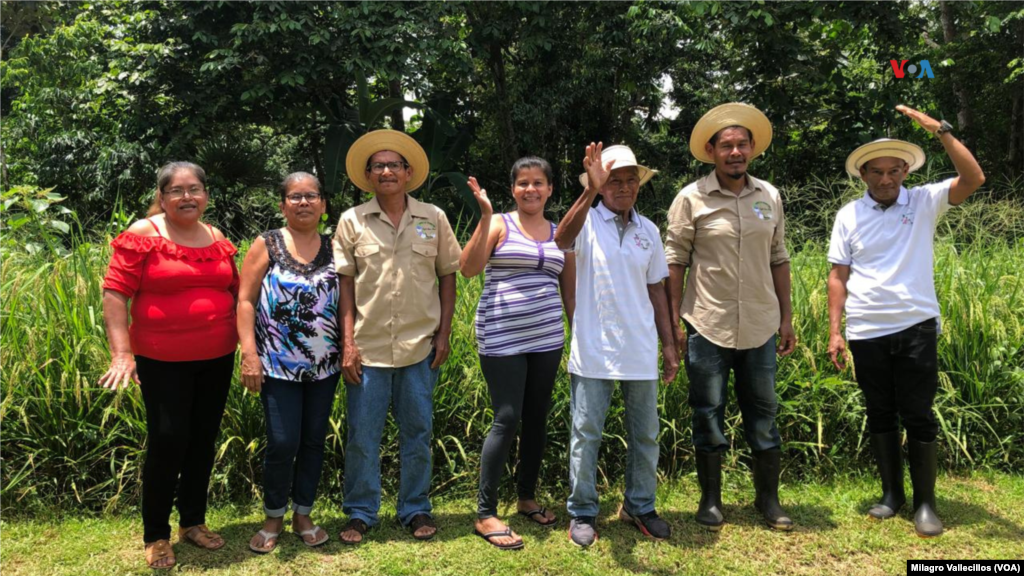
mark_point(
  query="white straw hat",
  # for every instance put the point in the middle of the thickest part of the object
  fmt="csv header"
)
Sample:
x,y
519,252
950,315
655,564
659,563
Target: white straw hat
x,y
624,158
885,148
731,114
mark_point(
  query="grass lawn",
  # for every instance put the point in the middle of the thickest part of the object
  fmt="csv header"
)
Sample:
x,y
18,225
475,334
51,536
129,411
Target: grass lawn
x,y
983,513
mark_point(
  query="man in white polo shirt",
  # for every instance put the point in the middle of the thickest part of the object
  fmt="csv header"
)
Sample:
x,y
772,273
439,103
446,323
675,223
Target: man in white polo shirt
x,y
621,311
882,259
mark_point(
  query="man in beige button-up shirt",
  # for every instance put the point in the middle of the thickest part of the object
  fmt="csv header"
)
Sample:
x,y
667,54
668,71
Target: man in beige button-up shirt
x,y
727,229
396,259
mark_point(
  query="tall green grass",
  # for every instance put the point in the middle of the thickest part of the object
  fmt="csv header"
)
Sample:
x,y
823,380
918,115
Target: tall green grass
x,y
68,443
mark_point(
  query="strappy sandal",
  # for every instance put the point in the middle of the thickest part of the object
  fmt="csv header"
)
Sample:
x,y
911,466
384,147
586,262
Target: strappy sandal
x,y
267,537
422,521
354,524
543,513
498,533
158,551
201,536
312,532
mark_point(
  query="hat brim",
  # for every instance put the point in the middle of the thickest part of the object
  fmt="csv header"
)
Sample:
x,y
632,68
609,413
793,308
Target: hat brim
x,y
732,114
643,172
378,141
912,154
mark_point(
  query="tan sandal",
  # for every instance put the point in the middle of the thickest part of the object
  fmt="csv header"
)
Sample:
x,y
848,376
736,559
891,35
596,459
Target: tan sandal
x,y
201,536
159,550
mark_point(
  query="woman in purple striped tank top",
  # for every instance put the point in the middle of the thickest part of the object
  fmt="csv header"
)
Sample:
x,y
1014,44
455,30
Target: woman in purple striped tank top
x,y
528,284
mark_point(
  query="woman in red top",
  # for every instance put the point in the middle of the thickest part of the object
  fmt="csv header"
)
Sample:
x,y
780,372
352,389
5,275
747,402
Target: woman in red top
x,y
180,277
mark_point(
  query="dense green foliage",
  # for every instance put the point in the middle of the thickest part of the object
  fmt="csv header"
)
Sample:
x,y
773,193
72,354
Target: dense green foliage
x,y
97,95
68,442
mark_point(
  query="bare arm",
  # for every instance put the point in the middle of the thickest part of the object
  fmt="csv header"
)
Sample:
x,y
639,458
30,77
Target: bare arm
x,y
351,363
478,250
670,357
781,281
674,292
442,344
970,177
122,362
567,286
837,279
597,174
254,268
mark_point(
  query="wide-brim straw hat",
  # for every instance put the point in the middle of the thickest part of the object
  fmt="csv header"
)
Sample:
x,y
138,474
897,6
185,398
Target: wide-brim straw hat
x,y
377,141
731,114
624,158
912,154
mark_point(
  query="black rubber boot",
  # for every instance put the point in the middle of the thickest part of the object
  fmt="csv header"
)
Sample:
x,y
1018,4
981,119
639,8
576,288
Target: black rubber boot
x,y
709,476
889,458
923,466
767,468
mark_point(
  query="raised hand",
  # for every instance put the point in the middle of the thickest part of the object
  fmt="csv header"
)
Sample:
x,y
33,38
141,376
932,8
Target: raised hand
x,y
486,210
923,120
597,172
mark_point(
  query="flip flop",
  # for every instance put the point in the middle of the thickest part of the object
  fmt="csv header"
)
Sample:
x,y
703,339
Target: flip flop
x,y
542,512
312,531
357,525
266,538
506,532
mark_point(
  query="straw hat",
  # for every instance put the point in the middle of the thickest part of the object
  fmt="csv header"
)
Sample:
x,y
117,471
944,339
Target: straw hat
x,y
885,148
379,140
624,158
731,114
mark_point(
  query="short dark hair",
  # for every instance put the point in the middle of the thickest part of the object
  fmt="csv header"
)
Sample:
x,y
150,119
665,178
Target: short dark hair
x,y
282,188
531,162
714,137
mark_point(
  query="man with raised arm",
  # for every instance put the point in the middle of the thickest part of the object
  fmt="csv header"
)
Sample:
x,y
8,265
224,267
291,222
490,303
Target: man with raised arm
x,y
882,258
621,311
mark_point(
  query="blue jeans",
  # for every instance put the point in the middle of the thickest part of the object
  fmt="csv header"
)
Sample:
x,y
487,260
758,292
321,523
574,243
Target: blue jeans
x,y
708,366
297,414
588,404
411,389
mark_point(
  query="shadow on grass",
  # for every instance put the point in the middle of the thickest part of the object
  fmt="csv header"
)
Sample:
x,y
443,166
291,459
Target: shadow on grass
x,y
956,513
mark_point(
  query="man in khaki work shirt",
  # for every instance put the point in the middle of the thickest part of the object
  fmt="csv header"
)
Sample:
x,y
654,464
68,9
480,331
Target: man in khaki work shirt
x,y
396,260
728,228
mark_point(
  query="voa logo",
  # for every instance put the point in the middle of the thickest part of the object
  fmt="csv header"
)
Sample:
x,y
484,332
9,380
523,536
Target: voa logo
x,y
900,71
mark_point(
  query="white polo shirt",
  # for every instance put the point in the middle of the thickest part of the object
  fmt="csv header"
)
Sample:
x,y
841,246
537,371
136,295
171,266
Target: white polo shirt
x,y
890,255
613,332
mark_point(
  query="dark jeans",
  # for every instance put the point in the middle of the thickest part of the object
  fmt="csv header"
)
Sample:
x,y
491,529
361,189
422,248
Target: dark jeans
x,y
184,405
297,414
899,375
520,388
708,366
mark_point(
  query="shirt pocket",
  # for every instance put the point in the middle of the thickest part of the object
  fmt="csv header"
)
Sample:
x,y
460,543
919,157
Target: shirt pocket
x,y
424,257
368,258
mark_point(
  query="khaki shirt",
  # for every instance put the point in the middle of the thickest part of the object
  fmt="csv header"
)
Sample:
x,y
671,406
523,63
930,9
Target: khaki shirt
x,y
730,242
398,308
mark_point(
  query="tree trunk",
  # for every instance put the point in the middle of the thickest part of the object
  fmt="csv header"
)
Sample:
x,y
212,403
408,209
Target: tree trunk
x,y
398,116
963,115
1015,156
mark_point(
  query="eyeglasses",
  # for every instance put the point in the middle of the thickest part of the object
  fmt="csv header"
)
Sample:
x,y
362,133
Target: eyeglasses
x,y
195,192
378,167
310,197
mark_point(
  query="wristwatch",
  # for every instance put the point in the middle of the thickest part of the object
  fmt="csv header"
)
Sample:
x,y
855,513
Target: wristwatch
x,y
943,128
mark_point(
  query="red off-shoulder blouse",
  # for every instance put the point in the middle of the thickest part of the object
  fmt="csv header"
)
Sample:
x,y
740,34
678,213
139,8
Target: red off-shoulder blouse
x,y
182,298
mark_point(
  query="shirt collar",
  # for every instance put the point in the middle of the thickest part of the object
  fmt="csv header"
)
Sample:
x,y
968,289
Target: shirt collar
x,y
415,207
903,199
607,214
711,184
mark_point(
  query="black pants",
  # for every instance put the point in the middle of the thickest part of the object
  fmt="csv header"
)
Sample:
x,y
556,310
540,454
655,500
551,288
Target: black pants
x,y
899,375
184,405
520,388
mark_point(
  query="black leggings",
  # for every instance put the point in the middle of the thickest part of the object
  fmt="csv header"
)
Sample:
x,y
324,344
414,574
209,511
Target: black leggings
x,y
184,405
520,388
